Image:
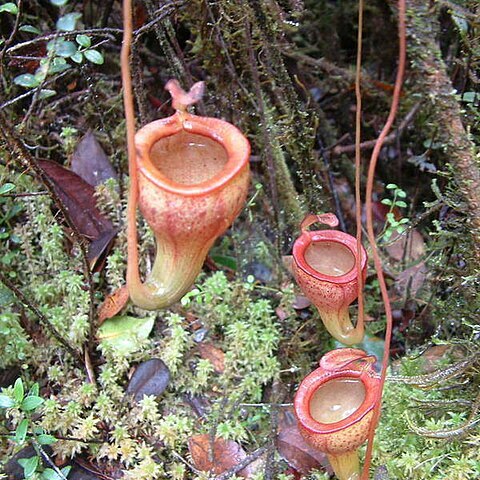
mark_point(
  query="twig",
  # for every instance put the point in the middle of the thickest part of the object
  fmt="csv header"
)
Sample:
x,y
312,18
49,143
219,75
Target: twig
x,y
43,319
333,190
158,15
108,32
41,452
25,194
261,110
389,139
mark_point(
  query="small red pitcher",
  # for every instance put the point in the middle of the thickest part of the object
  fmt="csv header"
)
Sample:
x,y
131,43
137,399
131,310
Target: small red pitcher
x,y
325,269
334,406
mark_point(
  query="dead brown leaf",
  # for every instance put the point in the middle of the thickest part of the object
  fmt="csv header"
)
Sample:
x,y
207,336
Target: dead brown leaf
x,y
214,355
90,162
78,197
412,242
217,456
293,448
411,279
112,304
300,302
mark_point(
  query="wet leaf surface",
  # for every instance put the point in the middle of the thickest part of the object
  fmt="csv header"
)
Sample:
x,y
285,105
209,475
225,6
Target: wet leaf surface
x,y
217,456
293,448
78,197
214,355
90,162
124,333
113,303
150,378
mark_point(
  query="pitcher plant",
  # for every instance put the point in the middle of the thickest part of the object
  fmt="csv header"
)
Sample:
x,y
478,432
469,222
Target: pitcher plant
x,y
193,177
334,407
324,267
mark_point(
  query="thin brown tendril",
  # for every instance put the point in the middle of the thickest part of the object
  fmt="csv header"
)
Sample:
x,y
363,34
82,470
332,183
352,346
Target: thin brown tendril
x,y
371,233
132,261
358,199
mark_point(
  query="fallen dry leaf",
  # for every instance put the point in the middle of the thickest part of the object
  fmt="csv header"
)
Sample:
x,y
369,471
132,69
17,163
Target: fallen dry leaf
x,y
150,378
300,302
214,355
293,448
113,303
90,162
78,197
217,456
413,242
411,279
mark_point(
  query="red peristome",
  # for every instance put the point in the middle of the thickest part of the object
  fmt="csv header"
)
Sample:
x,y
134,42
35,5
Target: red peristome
x,y
346,435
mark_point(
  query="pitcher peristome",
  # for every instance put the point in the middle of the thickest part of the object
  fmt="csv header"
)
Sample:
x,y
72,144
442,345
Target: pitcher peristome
x,y
193,177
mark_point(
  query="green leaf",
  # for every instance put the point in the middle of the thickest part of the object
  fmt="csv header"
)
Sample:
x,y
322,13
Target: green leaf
x,y
58,65
401,204
59,3
30,29
29,465
21,431
31,403
9,7
470,97
26,80
34,390
391,186
225,261
83,40
6,187
78,57
386,201
401,194
6,402
62,48
18,390
124,333
94,56
46,93
67,22
45,439
50,474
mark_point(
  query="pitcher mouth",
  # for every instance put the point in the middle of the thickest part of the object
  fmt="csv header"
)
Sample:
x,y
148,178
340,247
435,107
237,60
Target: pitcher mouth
x,y
314,382
337,239
236,146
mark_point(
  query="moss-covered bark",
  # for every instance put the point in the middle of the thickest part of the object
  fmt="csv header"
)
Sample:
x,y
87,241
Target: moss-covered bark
x,y
432,80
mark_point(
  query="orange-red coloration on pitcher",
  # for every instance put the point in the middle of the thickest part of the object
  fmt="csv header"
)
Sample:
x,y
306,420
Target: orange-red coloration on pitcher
x,y
324,267
334,407
193,177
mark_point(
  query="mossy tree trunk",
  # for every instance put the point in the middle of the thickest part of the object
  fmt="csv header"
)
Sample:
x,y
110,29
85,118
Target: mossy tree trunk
x,y
432,80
